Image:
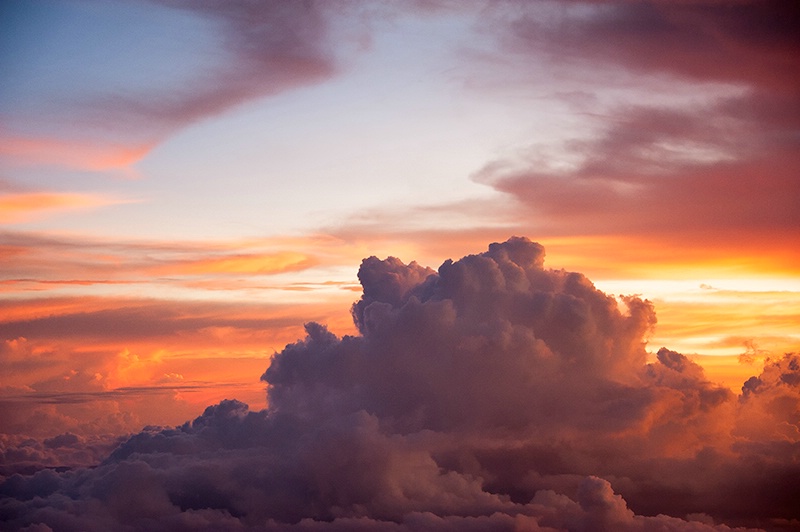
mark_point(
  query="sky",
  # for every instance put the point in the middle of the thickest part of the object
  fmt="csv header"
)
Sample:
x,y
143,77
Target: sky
x,y
287,221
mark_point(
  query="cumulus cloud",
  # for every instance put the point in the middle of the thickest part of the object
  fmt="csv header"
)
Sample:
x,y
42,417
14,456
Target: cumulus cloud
x,y
493,393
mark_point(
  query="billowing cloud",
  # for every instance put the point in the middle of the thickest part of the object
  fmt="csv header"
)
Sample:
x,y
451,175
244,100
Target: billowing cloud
x,y
492,393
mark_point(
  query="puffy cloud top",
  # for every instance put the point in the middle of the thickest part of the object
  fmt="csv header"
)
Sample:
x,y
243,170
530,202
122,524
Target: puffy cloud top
x,y
492,394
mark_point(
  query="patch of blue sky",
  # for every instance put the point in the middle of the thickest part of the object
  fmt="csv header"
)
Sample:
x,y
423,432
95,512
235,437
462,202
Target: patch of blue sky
x,y
60,56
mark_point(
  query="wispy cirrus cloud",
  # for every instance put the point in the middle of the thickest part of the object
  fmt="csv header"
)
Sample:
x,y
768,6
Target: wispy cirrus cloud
x,y
259,50
22,204
94,155
42,260
233,264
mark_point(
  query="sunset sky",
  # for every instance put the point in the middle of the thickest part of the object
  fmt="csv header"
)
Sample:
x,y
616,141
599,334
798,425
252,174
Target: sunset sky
x,y
185,184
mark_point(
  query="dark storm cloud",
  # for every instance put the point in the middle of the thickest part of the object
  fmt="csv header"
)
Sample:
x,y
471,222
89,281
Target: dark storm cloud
x,y
491,394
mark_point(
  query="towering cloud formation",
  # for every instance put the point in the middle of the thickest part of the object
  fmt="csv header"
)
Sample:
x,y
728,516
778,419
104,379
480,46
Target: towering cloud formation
x,y
492,394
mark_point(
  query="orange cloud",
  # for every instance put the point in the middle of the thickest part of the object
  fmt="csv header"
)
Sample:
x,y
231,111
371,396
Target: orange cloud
x,y
658,255
315,270
322,281
80,361
727,322
73,154
22,207
672,256
287,261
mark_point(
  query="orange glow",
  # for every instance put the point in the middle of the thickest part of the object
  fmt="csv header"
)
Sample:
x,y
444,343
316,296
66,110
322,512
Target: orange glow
x,y
241,264
82,155
728,323
174,356
730,371
673,257
23,207
626,256
215,337
33,257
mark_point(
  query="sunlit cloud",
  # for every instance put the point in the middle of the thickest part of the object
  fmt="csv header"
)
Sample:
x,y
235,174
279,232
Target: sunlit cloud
x,y
505,387
26,206
37,261
79,360
95,156
730,322
240,264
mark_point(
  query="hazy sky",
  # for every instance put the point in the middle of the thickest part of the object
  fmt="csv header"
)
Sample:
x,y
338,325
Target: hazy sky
x,y
185,184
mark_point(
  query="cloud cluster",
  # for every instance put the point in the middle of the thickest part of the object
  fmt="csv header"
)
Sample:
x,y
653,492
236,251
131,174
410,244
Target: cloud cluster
x,y
704,156
86,349
492,394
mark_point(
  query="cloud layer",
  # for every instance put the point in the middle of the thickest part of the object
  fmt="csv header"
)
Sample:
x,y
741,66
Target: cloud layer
x,y
493,393
701,154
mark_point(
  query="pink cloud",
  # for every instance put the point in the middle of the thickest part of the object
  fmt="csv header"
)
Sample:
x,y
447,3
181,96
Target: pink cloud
x,y
88,155
646,174
35,259
15,208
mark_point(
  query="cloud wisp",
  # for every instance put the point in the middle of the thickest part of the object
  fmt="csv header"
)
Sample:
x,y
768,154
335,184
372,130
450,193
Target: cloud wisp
x,y
244,51
492,394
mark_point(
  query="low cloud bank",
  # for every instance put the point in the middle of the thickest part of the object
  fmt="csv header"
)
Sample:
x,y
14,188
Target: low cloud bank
x,y
492,394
